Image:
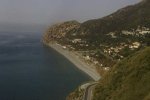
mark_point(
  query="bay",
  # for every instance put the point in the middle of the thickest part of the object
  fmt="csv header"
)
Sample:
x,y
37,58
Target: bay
x,y
31,71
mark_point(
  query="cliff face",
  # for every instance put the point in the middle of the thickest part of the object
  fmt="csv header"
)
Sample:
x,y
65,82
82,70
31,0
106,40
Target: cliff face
x,y
59,31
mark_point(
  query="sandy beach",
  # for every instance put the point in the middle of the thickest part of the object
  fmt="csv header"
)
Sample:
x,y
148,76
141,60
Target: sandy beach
x,y
77,61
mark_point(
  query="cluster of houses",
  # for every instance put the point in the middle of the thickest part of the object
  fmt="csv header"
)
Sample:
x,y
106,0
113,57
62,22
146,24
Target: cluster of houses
x,y
139,31
135,45
95,62
76,41
79,41
89,57
112,34
86,55
115,51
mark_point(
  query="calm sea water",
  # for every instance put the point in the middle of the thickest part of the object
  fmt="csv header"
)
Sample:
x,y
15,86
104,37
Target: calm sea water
x,y
30,71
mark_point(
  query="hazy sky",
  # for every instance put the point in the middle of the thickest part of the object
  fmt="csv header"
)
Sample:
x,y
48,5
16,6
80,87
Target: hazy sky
x,y
46,12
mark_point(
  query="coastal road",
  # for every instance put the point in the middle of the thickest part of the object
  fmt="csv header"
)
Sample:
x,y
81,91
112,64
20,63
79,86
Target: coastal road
x,y
89,92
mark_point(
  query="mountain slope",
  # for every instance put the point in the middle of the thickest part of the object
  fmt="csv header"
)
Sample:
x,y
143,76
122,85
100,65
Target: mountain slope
x,y
128,80
124,19
106,40
59,31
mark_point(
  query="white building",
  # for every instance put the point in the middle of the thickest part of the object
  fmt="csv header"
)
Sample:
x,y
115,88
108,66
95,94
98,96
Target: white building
x,y
135,45
76,40
87,57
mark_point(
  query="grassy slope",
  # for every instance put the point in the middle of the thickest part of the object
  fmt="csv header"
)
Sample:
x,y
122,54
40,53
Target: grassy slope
x,y
128,80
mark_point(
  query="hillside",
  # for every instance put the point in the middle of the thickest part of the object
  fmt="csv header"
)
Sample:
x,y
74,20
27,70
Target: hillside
x,y
107,40
59,31
127,18
128,80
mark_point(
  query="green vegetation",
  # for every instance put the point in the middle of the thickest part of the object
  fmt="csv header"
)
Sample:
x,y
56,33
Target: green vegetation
x,y
76,94
128,80
116,36
127,18
106,41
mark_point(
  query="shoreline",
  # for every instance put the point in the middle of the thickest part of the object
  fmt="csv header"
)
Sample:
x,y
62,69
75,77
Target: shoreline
x,y
90,70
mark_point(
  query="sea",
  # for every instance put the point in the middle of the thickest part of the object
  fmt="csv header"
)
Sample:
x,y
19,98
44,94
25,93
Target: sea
x,y
31,71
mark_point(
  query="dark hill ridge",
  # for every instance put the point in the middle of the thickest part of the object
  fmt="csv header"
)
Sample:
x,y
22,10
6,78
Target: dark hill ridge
x,y
127,18
128,80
